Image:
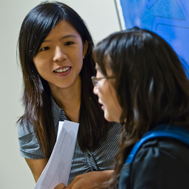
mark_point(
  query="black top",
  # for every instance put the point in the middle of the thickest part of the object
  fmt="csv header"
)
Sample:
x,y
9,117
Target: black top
x,y
159,164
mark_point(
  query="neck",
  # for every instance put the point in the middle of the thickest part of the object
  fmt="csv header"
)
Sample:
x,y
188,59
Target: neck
x,y
69,99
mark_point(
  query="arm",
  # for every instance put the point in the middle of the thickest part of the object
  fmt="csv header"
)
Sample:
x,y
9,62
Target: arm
x,y
36,166
90,180
31,150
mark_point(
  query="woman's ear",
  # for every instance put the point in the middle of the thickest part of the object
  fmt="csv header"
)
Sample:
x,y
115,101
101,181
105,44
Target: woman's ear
x,y
85,47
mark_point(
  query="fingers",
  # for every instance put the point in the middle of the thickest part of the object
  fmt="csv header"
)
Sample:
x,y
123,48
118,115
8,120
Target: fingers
x,y
60,186
73,182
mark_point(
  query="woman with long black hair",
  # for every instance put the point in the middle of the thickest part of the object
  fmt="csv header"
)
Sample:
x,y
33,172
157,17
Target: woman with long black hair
x,y
55,51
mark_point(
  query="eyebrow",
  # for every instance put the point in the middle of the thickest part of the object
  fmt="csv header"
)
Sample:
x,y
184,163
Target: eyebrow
x,y
67,36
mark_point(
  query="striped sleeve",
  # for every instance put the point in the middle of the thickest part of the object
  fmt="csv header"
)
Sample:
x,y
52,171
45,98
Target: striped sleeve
x,y
29,146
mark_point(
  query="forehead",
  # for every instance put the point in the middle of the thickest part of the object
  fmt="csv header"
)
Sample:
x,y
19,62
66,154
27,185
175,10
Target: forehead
x,y
62,28
109,72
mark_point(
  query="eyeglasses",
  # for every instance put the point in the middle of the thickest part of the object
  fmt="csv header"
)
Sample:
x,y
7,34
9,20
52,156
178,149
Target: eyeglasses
x,y
95,80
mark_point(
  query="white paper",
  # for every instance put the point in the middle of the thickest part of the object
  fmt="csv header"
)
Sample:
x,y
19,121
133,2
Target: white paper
x,y
58,167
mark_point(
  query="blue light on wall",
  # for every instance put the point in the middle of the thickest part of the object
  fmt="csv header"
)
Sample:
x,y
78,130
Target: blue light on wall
x,y
168,18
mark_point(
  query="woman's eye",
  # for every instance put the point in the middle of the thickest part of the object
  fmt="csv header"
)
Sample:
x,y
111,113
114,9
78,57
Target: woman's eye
x,y
44,49
69,43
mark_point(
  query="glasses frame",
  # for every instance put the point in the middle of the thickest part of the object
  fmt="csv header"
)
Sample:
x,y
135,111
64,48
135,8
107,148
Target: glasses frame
x,y
95,79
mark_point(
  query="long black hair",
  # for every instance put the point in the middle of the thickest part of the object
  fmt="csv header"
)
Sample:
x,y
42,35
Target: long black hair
x,y
37,95
151,85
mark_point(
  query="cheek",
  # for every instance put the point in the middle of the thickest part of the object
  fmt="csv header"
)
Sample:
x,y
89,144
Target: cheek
x,y
104,94
41,65
38,61
117,106
37,64
119,110
42,60
100,95
114,98
76,57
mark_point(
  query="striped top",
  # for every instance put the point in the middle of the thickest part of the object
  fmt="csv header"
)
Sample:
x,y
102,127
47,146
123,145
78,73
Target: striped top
x,y
102,158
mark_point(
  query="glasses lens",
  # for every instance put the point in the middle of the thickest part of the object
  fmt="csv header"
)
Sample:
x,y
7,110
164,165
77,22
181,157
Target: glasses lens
x,y
93,78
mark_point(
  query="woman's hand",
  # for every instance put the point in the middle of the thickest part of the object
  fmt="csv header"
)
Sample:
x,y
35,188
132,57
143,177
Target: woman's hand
x,y
90,180
60,186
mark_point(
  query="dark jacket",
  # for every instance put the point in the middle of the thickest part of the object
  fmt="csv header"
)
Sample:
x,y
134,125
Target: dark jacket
x,y
160,163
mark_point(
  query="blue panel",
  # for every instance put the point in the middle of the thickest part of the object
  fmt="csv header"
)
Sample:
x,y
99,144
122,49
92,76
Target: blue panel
x,y
168,18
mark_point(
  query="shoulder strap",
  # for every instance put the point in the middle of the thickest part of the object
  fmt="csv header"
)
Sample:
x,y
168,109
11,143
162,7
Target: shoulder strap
x,y
161,131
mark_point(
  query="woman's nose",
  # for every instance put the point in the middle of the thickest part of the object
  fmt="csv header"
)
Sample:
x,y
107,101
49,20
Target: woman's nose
x,y
95,90
59,55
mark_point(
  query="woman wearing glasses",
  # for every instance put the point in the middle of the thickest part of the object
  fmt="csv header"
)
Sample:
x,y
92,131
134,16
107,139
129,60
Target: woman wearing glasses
x,y
55,51
141,84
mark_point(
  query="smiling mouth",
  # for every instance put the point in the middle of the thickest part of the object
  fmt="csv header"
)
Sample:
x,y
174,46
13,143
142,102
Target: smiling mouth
x,y
62,70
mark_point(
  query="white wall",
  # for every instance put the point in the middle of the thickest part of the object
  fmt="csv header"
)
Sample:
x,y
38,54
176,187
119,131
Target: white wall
x,y
101,19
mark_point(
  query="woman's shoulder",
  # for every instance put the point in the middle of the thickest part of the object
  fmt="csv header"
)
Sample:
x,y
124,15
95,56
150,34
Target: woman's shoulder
x,y
28,143
161,160
24,128
162,140
162,147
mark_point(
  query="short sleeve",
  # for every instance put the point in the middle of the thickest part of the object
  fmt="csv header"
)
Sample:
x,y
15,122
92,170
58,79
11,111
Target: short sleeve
x,y
29,146
161,164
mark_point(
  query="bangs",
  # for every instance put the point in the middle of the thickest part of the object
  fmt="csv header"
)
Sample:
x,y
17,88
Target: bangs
x,y
42,21
101,56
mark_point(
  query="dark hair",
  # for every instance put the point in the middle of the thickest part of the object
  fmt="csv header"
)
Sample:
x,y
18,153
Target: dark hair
x,y
37,95
151,85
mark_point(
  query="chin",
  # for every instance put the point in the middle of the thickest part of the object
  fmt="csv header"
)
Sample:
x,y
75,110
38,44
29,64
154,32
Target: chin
x,y
108,118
